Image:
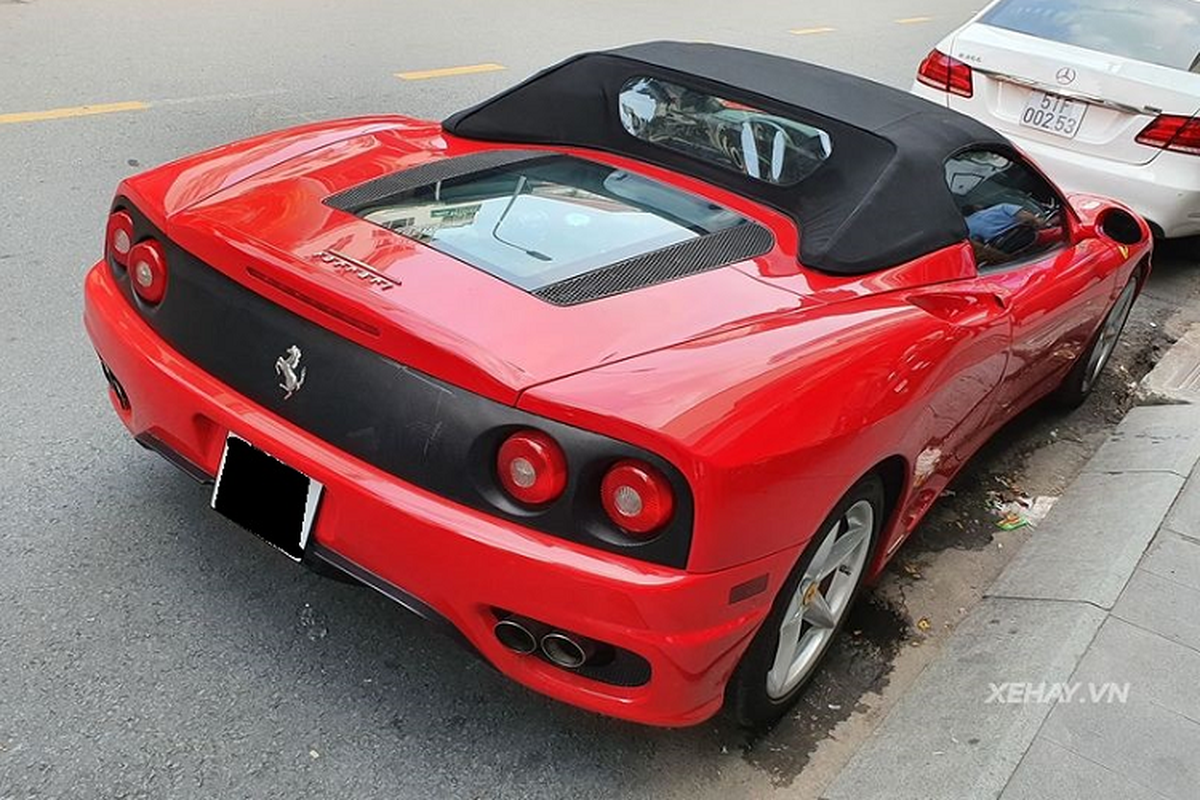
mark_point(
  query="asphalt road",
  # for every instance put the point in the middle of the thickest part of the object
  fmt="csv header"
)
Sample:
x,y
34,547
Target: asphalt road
x,y
147,647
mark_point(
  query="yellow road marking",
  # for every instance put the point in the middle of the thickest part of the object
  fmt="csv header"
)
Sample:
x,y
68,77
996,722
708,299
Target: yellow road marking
x,y
811,31
425,74
913,20
73,111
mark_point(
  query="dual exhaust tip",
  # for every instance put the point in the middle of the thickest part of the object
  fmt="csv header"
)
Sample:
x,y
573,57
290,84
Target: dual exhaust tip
x,y
526,637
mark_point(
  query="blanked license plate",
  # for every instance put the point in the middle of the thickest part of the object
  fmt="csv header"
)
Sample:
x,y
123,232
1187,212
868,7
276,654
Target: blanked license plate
x,y
266,497
1060,116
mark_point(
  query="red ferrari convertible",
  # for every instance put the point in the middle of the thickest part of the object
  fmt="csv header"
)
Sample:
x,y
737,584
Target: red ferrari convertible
x,y
629,377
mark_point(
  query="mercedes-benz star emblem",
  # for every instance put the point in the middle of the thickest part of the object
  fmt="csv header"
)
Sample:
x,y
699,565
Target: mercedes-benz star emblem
x,y
1065,75
291,374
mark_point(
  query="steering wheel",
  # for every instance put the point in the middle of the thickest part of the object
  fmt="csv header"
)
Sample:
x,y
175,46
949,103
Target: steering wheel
x,y
1015,240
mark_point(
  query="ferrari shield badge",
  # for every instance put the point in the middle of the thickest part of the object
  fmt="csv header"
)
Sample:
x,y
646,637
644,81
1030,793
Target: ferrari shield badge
x,y
291,374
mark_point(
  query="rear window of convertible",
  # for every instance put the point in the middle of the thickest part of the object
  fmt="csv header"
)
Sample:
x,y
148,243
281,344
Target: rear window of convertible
x,y
733,135
539,222
1163,32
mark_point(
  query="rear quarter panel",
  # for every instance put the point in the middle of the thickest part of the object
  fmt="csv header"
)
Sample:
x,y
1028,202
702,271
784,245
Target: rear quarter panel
x,y
167,189
772,423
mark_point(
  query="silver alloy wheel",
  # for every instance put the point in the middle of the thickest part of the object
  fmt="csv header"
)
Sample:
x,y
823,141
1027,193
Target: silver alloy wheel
x,y
1114,323
822,599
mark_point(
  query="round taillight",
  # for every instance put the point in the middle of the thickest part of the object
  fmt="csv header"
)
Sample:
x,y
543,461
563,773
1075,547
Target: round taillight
x,y
637,497
531,467
148,270
119,237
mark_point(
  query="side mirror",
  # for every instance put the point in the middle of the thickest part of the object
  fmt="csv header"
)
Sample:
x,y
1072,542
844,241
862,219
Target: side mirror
x,y
1120,226
1103,217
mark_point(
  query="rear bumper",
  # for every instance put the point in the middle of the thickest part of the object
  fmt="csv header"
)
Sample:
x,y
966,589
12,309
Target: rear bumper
x,y
454,561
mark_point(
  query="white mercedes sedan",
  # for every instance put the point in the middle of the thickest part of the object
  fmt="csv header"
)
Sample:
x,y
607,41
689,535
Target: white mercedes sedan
x,y
1104,95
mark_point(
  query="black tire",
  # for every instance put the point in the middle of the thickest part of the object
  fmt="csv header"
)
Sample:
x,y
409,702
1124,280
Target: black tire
x,y
1085,374
746,695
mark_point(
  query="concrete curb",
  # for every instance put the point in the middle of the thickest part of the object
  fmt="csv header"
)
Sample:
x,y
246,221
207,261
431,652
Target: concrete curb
x,y
1176,377
946,738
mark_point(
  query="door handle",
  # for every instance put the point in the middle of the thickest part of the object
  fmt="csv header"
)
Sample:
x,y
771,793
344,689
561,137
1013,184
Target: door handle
x,y
962,308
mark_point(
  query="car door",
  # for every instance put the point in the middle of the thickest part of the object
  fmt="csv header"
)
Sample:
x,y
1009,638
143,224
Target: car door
x,y
1055,289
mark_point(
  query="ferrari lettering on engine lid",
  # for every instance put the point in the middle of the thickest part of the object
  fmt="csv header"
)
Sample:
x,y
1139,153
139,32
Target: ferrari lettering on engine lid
x,y
344,265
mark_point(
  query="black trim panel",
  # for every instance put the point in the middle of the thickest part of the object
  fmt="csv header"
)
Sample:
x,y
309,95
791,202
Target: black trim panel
x,y
412,425
173,457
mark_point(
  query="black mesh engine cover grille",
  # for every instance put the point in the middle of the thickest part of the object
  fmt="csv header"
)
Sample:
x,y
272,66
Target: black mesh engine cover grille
x,y
693,256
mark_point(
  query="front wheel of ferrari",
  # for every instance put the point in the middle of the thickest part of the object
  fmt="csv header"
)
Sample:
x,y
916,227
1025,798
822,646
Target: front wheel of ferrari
x,y
810,609
1083,377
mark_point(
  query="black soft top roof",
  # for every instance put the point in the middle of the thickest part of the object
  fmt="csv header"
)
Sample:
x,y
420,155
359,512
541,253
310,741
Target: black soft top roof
x,y
879,200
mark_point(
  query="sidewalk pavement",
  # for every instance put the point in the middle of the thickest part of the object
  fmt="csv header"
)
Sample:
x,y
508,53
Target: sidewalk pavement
x,y
1078,674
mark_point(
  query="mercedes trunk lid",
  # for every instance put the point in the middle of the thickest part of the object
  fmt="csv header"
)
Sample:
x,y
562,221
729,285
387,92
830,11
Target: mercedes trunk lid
x,y
1019,79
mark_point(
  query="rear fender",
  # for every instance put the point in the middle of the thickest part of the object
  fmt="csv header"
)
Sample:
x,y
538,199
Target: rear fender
x,y
771,424
173,187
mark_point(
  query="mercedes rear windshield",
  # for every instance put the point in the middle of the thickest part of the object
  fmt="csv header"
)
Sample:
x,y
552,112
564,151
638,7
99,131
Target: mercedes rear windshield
x,y
538,222
1163,32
